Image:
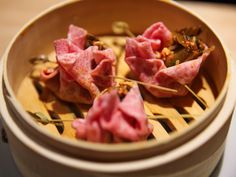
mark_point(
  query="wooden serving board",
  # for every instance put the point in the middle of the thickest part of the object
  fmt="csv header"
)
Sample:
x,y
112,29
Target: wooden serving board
x,y
171,109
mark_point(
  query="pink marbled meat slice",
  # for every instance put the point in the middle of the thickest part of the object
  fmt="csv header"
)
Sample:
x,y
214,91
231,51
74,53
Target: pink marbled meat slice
x,y
61,84
140,47
183,73
78,66
131,118
158,32
77,36
99,55
87,70
49,73
111,120
63,46
101,74
101,111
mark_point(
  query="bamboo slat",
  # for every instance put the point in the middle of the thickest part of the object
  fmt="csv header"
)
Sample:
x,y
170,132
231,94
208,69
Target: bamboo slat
x,y
207,91
158,131
161,106
188,105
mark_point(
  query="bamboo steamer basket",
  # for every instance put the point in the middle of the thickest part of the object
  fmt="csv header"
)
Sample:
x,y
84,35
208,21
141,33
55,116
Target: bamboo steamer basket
x,y
190,149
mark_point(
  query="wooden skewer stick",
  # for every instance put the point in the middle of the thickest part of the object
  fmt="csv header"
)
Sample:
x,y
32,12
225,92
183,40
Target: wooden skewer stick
x,y
196,96
120,27
155,117
129,33
107,90
40,117
56,122
146,84
164,88
164,117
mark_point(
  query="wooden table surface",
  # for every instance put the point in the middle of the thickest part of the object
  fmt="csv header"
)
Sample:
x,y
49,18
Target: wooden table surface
x,y
15,13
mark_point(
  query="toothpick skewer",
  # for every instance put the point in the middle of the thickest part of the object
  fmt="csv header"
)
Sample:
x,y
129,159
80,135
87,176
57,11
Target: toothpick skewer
x,y
164,117
164,88
40,117
129,33
120,27
146,84
196,96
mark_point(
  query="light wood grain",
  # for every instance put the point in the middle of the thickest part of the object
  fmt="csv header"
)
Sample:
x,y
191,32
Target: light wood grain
x,y
158,131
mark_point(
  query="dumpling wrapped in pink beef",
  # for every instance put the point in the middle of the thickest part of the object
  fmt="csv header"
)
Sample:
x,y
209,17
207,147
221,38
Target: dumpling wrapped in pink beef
x,y
111,120
170,60
83,71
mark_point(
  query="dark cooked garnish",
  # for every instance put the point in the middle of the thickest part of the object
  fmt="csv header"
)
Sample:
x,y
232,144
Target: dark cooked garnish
x,y
185,46
92,40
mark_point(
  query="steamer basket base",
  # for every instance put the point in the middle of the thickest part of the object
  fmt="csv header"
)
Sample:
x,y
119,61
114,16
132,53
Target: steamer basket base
x,y
199,163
